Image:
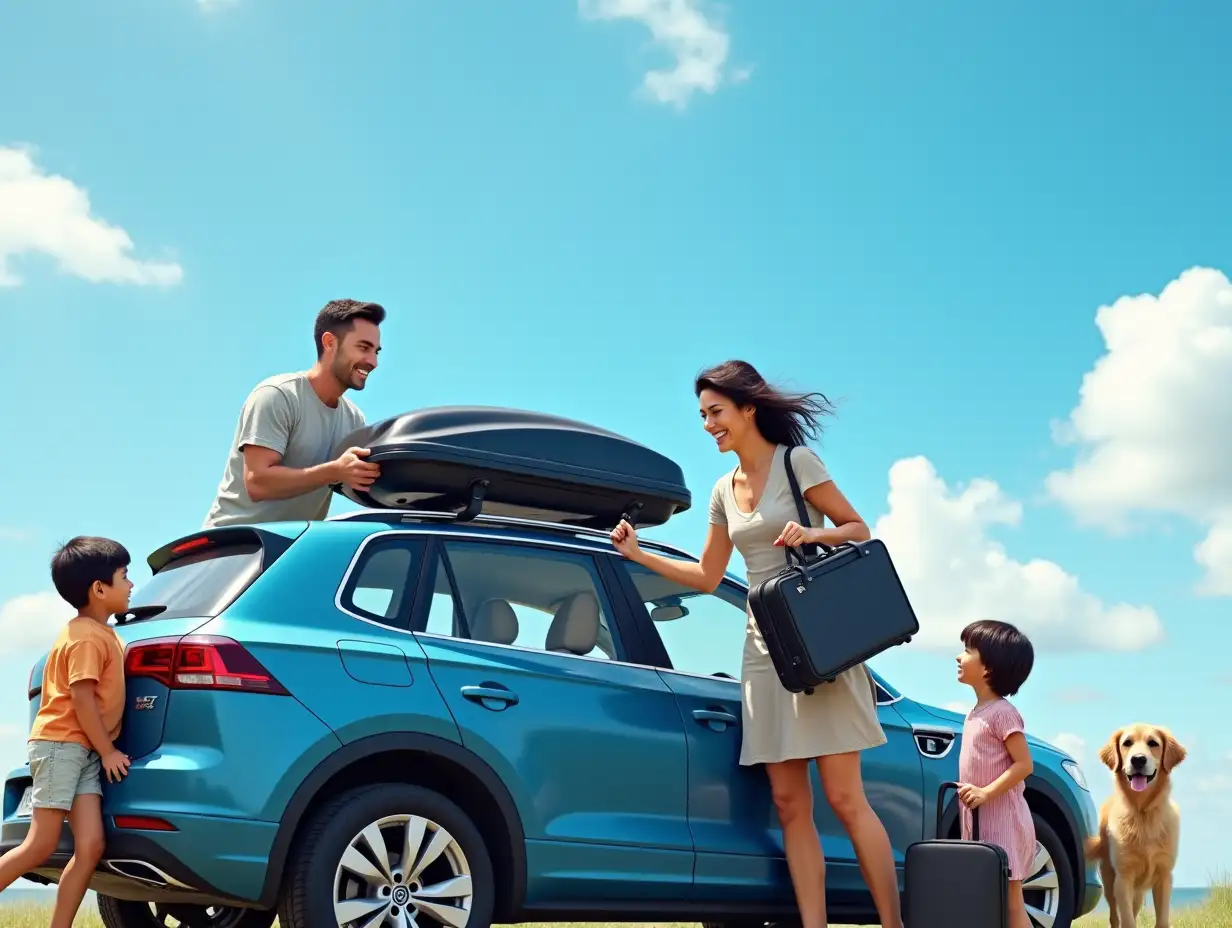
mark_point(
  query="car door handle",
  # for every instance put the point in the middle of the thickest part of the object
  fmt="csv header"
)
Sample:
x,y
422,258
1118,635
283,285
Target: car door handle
x,y
716,719
490,693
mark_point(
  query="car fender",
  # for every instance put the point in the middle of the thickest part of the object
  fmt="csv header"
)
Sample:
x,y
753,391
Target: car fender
x,y
355,752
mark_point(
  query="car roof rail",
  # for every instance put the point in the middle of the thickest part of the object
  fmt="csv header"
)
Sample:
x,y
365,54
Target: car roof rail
x,y
412,515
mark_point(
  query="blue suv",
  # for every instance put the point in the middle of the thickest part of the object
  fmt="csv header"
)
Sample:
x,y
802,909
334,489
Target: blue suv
x,y
392,718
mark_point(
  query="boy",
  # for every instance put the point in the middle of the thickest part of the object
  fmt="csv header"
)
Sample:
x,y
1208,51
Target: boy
x,y
77,722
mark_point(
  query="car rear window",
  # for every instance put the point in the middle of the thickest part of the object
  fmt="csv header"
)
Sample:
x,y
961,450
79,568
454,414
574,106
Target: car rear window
x,y
201,584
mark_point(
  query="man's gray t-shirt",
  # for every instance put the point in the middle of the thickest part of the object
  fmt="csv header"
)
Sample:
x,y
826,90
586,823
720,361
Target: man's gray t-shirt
x,y
284,414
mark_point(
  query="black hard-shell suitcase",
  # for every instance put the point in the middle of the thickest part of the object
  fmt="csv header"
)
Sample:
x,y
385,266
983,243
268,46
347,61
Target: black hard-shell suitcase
x,y
512,463
826,613
956,884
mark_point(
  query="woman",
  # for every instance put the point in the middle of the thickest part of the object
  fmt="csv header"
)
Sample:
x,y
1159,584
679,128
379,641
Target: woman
x,y
752,509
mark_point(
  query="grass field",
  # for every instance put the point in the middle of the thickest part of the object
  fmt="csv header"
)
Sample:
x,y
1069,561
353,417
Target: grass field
x,y
1217,913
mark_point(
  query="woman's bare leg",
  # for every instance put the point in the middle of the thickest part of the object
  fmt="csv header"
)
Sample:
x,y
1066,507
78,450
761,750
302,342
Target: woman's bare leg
x,y
793,798
840,776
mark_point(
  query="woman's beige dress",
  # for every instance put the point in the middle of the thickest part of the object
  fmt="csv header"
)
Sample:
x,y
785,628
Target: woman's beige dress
x,y
778,725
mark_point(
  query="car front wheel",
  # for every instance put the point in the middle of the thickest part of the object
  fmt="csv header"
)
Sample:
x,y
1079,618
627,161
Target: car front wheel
x,y
389,855
1049,890
120,913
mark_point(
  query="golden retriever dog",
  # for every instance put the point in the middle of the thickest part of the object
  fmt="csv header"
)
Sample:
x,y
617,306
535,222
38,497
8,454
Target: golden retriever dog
x,y
1139,825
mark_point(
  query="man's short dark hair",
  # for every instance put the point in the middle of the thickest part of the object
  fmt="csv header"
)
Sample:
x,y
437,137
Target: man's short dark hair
x,y
338,317
1005,652
83,560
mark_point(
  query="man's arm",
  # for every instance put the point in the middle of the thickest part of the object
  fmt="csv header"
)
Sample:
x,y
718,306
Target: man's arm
x,y
265,477
266,423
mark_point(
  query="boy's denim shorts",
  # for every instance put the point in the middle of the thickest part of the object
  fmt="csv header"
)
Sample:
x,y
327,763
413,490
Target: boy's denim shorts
x,y
62,771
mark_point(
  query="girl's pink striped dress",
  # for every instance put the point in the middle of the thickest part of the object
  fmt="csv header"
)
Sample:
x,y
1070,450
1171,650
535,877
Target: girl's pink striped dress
x,y
1006,820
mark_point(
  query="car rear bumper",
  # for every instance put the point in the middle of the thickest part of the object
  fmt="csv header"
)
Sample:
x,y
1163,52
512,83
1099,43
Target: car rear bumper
x,y
205,861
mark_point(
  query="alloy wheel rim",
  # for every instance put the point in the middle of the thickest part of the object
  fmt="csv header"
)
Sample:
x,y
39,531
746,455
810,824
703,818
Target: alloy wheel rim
x,y
1041,890
403,871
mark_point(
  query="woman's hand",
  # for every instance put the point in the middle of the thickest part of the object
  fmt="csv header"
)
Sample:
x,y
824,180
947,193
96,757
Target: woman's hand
x,y
793,535
624,539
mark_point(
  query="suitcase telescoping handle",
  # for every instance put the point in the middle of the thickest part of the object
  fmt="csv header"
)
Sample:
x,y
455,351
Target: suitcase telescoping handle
x,y
975,813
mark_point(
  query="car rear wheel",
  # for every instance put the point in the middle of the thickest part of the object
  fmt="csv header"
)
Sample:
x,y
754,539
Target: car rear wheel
x,y
389,856
119,913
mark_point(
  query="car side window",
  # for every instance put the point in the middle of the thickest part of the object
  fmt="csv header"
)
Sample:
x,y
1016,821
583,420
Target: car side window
x,y
703,633
524,596
381,585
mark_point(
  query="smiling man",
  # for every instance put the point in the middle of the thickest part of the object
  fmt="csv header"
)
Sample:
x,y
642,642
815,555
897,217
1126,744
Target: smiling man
x,y
284,458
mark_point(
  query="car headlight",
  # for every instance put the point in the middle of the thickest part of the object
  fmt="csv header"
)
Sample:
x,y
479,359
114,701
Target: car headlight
x,y
1071,767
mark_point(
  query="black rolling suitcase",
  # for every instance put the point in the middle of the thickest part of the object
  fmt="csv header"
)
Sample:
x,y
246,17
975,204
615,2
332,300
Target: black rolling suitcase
x,y
954,883
825,613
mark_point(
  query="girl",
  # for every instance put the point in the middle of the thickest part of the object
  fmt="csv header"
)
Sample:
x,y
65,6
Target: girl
x,y
994,760
752,509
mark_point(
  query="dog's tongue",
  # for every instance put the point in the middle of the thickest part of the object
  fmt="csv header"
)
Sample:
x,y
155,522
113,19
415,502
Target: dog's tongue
x,y
1137,782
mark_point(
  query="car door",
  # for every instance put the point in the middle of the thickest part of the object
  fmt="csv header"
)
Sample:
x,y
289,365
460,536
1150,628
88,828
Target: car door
x,y
523,642
735,826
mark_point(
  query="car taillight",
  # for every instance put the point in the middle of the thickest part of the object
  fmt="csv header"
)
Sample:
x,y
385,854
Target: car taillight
x,y
200,662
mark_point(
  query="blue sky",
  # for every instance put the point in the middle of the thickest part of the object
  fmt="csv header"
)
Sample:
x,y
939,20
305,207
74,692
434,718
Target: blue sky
x,y
917,208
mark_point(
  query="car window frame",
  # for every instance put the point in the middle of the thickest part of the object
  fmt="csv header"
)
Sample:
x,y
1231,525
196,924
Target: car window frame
x,y
344,600
656,654
614,607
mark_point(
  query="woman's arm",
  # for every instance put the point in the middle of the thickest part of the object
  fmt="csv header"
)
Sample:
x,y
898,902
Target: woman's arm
x,y
703,576
829,500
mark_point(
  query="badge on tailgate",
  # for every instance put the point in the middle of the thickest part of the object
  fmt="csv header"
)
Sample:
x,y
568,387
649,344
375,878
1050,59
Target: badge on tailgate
x,y
144,702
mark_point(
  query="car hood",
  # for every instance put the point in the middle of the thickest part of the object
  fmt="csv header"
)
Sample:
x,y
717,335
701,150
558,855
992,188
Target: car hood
x,y
956,719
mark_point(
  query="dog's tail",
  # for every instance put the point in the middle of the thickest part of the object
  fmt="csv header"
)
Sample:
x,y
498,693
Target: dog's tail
x,y
1094,846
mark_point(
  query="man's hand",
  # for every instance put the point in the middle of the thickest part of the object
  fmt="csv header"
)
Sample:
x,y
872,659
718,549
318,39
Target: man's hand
x,y
116,765
972,796
352,470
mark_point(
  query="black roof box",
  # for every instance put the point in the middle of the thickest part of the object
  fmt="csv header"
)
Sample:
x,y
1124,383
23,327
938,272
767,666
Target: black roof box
x,y
519,464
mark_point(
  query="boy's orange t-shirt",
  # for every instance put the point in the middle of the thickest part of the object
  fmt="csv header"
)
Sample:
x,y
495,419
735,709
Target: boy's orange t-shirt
x,y
84,650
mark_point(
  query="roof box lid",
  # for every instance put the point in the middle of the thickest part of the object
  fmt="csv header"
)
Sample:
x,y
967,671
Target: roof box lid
x,y
514,463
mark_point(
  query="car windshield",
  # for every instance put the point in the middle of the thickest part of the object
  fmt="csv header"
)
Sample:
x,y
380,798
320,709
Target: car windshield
x,y
202,584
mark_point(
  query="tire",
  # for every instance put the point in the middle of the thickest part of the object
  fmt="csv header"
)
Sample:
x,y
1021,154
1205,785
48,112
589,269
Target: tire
x,y
336,875
120,913
1052,865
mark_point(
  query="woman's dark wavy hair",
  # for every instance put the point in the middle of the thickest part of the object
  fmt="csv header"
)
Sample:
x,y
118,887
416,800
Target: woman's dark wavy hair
x,y
782,418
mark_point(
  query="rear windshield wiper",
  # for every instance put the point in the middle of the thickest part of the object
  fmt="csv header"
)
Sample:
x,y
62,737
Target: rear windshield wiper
x,y
137,613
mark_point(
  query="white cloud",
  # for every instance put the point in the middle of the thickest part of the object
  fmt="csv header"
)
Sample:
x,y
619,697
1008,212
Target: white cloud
x,y
8,533
1151,424
49,214
215,4
962,707
30,622
955,573
698,44
1073,745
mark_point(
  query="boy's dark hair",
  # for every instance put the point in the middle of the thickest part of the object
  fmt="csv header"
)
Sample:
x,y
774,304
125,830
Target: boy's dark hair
x,y
338,317
83,560
1005,652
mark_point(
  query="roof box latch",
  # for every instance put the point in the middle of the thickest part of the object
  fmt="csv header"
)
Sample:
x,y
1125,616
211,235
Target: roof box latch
x,y
479,489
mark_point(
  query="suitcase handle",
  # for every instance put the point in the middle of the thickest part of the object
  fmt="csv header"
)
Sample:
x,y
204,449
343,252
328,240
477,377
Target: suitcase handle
x,y
975,813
